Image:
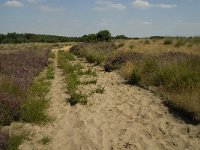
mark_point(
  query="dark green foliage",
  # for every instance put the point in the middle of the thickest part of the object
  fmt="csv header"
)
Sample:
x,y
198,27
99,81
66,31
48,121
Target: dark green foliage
x,y
121,37
31,38
104,35
77,98
89,38
168,42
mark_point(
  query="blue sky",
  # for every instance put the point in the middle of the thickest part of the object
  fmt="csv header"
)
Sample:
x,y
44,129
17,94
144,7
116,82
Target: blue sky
x,y
133,18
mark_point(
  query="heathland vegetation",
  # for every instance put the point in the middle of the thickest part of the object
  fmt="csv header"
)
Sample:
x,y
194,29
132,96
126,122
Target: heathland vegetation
x,y
168,66
22,95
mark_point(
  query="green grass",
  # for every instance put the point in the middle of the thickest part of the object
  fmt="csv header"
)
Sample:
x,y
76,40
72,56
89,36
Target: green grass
x,y
135,77
100,90
50,71
72,82
52,55
67,55
77,98
34,108
90,72
45,140
15,140
89,82
72,73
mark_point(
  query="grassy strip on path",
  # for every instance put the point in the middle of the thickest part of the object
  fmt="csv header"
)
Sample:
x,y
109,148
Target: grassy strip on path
x,y
72,75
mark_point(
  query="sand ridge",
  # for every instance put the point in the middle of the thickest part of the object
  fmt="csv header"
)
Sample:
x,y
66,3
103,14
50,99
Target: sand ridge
x,y
124,117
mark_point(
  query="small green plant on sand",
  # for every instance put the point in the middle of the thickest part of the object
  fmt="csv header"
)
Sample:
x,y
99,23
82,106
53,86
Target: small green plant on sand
x,y
45,140
100,90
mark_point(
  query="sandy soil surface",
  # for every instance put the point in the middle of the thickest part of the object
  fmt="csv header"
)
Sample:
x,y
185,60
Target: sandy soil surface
x,y
123,117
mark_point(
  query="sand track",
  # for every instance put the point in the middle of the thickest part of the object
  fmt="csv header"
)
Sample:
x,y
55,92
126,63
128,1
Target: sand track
x,y
124,117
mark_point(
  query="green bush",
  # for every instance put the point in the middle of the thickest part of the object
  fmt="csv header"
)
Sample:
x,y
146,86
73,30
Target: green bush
x,y
135,77
168,42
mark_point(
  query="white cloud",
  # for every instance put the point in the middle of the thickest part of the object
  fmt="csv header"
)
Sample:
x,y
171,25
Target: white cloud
x,y
102,5
144,4
167,6
146,22
52,9
141,4
13,3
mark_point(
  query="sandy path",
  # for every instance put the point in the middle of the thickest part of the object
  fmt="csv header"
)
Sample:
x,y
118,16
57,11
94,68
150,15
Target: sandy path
x,y
124,117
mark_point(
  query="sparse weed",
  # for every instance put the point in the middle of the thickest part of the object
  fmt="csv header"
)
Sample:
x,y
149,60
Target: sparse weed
x,y
100,90
15,140
90,72
52,55
77,98
89,82
45,140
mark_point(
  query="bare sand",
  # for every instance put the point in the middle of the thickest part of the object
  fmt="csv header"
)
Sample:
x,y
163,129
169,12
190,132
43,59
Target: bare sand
x,y
123,117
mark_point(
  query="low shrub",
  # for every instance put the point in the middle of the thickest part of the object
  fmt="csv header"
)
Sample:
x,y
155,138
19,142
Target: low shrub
x,y
168,42
117,61
77,98
17,74
135,77
9,108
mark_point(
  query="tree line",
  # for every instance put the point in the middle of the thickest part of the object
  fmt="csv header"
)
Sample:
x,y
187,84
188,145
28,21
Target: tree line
x,y
12,38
